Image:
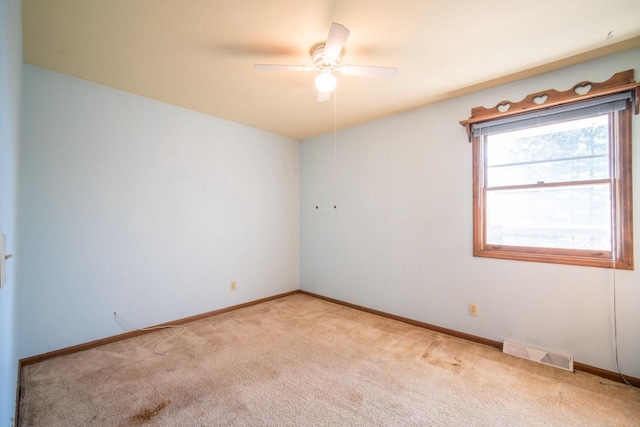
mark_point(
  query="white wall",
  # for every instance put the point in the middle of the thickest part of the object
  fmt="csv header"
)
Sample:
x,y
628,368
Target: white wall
x,y
139,207
10,78
400,240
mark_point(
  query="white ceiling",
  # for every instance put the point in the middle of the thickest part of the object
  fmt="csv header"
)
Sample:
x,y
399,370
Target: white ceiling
x,y
199,54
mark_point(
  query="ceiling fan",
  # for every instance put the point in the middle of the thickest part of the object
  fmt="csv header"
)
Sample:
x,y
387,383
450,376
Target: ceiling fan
x,y
326,57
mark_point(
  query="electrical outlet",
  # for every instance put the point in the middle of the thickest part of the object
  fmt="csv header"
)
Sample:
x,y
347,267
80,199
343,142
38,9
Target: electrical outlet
x,y
473,309
233,285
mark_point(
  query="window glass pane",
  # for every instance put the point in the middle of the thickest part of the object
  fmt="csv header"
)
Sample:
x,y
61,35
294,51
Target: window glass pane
x,y
557,217
576,150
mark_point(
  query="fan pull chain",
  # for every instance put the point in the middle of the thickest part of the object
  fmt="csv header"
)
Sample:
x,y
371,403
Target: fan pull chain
x,y
317,138
335,144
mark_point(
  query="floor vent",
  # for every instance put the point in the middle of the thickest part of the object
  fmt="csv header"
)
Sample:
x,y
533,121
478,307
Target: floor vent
x,y
540,356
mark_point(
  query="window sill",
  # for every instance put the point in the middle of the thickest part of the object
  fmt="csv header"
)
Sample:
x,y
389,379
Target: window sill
x,y
577,257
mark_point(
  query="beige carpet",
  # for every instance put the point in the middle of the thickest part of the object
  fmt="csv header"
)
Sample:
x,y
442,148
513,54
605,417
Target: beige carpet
x,y
300,361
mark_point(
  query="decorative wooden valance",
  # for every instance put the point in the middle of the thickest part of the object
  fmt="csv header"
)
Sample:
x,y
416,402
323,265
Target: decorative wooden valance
x,y
620,82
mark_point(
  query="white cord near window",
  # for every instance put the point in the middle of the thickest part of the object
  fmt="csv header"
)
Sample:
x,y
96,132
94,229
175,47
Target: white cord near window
x,y
614,256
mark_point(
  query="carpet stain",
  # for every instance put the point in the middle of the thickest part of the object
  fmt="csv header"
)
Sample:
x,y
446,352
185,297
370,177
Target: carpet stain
x,y
148,414
556,398
430,349
454,365
356,398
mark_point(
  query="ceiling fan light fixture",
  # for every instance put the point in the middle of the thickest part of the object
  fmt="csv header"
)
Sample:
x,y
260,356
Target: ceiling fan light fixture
x,y
326,82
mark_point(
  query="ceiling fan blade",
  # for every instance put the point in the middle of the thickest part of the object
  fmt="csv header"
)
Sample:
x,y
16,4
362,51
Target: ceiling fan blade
x,y
274,67
364,71
324,96
338,35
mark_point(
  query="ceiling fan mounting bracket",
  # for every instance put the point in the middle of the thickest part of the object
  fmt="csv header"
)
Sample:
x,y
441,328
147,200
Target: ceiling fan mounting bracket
x,y
321,61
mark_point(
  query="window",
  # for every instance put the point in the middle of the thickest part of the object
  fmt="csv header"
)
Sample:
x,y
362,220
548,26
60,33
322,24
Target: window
x,y
554,184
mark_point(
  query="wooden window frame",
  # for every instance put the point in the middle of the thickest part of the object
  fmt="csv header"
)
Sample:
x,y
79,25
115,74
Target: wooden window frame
x,y
621,182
